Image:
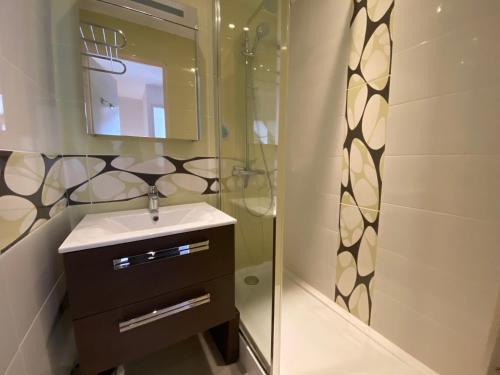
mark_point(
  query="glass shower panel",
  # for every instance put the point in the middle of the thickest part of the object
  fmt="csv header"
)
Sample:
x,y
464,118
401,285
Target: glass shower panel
x,y
248,147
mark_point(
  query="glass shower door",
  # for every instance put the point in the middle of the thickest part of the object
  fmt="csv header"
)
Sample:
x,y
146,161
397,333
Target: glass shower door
x,y
248,97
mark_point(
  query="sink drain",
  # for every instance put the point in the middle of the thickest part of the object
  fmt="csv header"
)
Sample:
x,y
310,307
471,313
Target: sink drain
x,y
251,280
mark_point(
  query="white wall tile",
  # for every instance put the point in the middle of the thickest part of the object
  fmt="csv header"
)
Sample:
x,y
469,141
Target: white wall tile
x,y
317,103
312,25
68,82
17,366
322,75
64,15
319,49
495,358
460,123
313,226
318,136
452,300
9,340
464,185
29,113
49,347
28,88
31,268
319,275
419,21
427,340
456,246
436,280
327,214
318,244
28,48
458,61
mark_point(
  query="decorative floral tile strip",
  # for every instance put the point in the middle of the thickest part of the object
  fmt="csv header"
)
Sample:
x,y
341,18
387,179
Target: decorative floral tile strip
x,y
31,192
35,187
366,114
121,178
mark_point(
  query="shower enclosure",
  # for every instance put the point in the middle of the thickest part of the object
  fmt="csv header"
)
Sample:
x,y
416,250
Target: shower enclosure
x,y
248,81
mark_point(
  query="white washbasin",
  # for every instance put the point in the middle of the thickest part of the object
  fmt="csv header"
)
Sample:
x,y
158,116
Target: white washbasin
x,y
98,230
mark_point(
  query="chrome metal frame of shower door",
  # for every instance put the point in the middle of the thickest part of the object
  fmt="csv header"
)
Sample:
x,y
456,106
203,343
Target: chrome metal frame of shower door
x,y
218,116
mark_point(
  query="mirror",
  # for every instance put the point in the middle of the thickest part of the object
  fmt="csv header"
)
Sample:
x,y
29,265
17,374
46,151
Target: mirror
x,y
140,68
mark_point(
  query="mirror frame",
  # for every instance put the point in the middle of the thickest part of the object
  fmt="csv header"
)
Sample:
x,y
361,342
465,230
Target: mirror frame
x,y
87,95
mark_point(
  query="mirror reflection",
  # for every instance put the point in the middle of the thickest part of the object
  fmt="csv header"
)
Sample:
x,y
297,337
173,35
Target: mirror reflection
x,y
140,69
129,104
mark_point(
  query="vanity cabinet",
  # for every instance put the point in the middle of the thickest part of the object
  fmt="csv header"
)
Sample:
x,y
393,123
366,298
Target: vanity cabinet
x,y
131,299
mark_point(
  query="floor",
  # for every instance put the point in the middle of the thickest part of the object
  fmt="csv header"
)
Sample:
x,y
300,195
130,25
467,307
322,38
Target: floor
x,y
194,356
317,340
255,305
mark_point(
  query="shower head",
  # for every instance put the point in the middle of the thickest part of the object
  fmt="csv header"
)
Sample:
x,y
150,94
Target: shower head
x,y
262,31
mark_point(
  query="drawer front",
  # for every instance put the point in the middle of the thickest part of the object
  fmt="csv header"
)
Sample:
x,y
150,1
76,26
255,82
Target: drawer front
x,y
108,339
109,277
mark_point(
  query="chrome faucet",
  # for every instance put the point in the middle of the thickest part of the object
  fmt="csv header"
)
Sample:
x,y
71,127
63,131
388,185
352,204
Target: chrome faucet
x,y
153,202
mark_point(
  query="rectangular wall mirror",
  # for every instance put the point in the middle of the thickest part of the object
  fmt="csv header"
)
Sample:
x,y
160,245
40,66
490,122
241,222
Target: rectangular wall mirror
x,y
140,68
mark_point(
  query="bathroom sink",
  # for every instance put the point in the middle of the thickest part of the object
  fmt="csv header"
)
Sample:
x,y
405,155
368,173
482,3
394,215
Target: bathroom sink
x,y
98,230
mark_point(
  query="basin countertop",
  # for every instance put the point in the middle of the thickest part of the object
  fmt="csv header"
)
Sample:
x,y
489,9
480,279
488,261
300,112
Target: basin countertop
x,y
111,228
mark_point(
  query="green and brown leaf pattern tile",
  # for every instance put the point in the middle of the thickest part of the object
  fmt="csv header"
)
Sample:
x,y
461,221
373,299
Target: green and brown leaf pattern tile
x,y
31,192
125,177
361,182
35,187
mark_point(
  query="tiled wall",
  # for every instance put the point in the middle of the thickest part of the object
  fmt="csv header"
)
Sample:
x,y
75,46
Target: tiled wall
x,y
35,187
319,53
437,272
35,333
435,266
363,154
495,357
41,119
43,116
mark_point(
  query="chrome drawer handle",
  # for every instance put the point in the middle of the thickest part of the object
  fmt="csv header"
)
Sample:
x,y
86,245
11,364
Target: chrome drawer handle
x,y
152,256
163,313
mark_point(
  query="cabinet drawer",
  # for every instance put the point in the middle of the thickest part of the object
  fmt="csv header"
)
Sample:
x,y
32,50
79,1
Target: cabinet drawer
x,y
105,340
108,277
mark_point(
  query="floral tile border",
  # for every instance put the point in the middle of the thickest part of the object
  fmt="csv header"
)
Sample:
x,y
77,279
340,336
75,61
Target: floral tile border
x,y
31,193
367,107
114,178
34,187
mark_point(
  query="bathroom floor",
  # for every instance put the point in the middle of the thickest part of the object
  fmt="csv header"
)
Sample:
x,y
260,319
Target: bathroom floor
x,y
194,356
334,346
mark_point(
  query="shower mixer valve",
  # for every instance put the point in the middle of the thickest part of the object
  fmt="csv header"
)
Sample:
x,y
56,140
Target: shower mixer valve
x,y
246,173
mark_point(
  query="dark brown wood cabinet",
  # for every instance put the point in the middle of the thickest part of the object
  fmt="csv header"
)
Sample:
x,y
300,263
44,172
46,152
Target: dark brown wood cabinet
x,y
131,299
